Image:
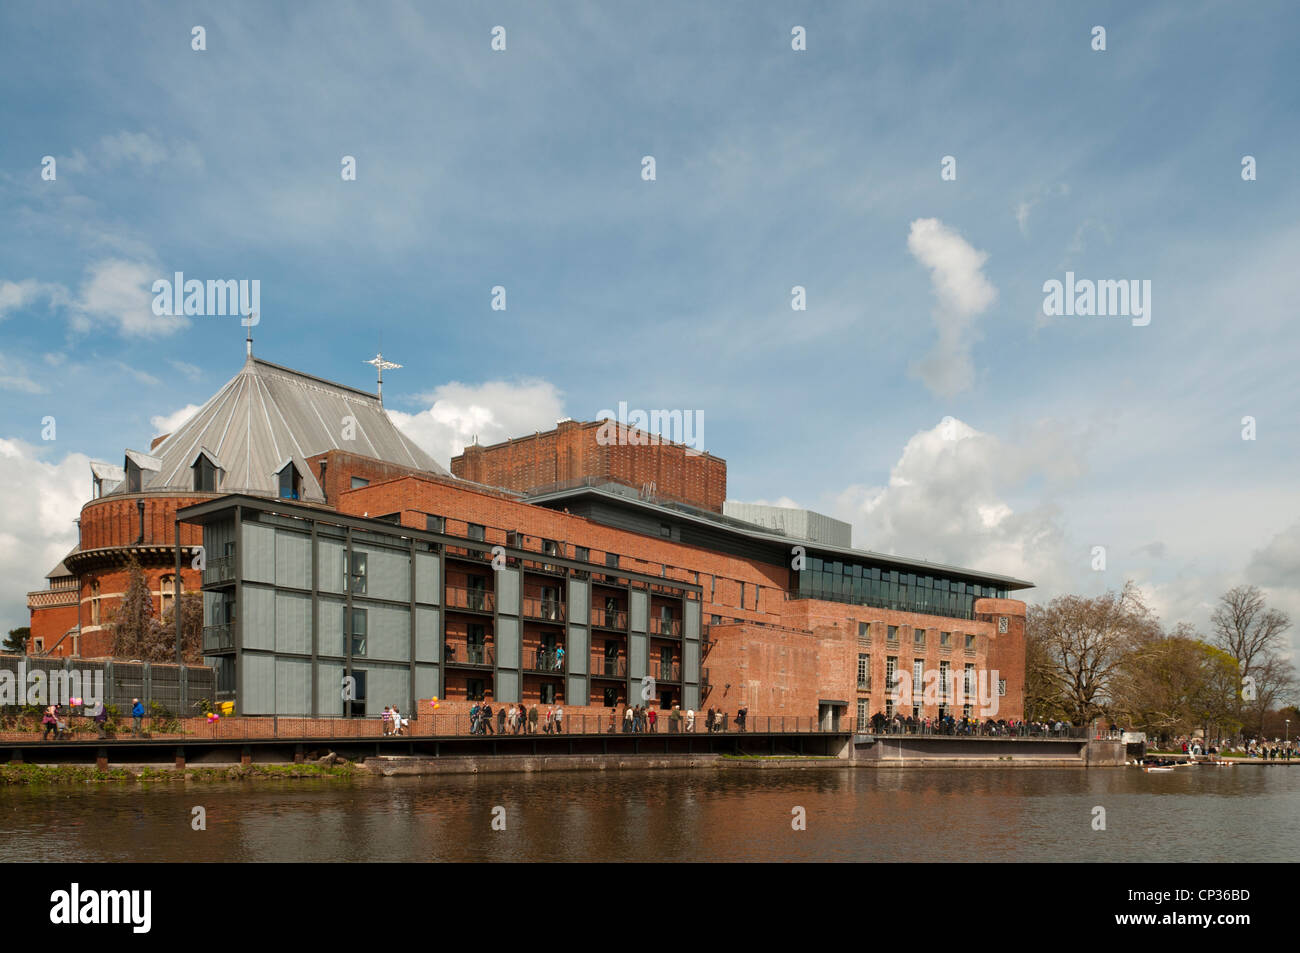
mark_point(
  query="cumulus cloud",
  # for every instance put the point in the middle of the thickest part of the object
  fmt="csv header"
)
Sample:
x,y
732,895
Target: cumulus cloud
x,y
491,411
947,501
963,293
170,423
42,501
17,295
120,293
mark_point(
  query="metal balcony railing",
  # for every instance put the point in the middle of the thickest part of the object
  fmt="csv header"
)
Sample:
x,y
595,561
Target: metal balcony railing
x,y
469,654
609,618
546,610
608,667
666,628
546,660
219,569
218,637
670,672
470,599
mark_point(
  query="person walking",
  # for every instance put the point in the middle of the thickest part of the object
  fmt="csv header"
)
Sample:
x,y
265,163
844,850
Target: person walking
x,y
690,720
501,720
387,718
486,716
674,720
532,720
50,721
396,717
559,719
137,714
101,720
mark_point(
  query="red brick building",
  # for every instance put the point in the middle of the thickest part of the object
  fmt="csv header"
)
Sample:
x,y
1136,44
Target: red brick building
x,y
598,452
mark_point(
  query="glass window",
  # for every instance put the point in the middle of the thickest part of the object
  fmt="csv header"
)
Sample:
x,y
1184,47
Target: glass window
x,y
582,554
611,560
290,482
476,532
356,579
358,631
893,633
435,524
359,482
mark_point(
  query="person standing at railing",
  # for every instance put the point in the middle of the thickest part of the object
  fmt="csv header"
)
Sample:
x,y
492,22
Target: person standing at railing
x,y
627,719
559,719
690,720
652,718
741,714
532,720
137,714
559,658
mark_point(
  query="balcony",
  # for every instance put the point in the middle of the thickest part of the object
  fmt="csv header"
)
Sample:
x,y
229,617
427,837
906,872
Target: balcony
x,y
464,599
546,661
219,569
543,610
661,672
666,628
604,667
218,638
609,619
471,654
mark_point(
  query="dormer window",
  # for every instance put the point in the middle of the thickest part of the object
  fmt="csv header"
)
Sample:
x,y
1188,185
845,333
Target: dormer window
x,y
136,465
205,471
290,482
133,478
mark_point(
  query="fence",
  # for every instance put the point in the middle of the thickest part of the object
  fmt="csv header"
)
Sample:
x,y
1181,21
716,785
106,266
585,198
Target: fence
x,y
176,688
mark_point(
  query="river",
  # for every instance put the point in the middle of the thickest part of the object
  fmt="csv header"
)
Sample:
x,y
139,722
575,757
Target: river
x,y
1244,813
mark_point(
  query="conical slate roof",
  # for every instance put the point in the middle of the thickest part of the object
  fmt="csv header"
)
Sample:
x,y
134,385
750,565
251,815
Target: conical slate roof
x,y
267,416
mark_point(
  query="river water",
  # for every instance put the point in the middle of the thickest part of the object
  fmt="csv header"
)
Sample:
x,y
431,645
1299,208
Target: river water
x,y
1244,813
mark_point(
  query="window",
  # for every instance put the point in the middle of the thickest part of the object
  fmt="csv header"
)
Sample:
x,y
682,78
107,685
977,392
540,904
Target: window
x,y
356,706
968,680
205,475
891,672
582,554
548,693
862,713
290,482
39,644
475,644
94,603
434,524
665,530
474,689
715,620
1002,686
611,697
356,579
133,478
918,638
864,673
476,532
864,631
945,639
970,643
359,482
358,631
918,679
742,595
893,633
611,560
476,593
167,593
945,680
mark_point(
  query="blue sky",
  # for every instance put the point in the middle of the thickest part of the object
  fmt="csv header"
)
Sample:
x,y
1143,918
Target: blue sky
x,y
775,168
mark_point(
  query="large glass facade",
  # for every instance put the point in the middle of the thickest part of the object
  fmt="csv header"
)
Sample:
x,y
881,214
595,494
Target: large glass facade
x,y
867,585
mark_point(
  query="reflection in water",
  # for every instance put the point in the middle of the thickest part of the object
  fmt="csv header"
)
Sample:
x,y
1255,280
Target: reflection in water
x,y
1248,813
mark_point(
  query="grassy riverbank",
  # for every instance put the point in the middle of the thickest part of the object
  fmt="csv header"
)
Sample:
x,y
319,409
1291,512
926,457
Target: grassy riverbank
x,y
88,774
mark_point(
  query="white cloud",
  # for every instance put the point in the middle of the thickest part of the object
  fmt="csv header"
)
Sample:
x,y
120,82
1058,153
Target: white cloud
x,y
132,147
963,293
16,295
170,423
491,411
947,502
14,377
783,501
119,293
41,502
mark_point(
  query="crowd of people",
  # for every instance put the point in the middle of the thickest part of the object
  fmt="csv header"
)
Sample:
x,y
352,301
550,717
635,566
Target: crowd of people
x,y
1276,749
881,724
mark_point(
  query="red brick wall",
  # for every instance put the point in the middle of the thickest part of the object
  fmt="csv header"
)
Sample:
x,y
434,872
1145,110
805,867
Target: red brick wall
x,y
572,451
115,521
335,469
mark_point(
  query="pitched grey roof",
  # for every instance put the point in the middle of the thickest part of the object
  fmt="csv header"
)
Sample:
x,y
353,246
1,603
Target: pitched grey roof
x,y
268,414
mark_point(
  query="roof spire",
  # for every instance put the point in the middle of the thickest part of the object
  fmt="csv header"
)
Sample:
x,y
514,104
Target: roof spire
x,y
381,365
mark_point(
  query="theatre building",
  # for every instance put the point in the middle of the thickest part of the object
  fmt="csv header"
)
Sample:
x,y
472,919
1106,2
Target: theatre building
x,y
591,595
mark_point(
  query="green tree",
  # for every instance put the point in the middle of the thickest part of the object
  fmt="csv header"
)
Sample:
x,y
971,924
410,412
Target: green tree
x,y
16,641
1255,636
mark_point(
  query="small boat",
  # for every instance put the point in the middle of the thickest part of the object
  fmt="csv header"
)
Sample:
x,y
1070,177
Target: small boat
x,y
1152,768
